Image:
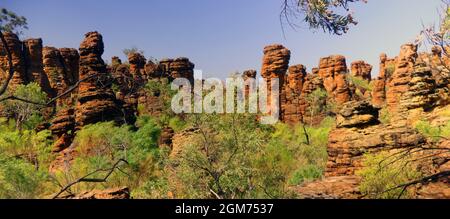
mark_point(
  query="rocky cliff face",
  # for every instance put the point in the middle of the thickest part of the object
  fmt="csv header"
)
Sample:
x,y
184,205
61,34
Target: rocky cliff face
x,y
362,70
96,100
34,64
127,90
55,71
333,71
274,66
292,90
137,64
178,68
70,59
357,132
15,47
399,81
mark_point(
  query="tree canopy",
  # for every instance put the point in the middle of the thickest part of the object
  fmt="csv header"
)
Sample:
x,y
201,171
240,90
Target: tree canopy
x,y
332,16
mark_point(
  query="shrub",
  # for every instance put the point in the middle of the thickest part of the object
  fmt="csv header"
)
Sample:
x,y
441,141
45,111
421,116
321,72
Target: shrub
x,y
306,173
103,144
434,132
25,112
385,116
359,82
383,172
20,180
33,146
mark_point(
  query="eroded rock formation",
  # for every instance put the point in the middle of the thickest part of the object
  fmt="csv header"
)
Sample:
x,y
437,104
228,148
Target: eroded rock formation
x,y
34,64
292,90
178,68
137,63
399,81
96,100
70,59
15,48
333,71
55,71
275,64
362,70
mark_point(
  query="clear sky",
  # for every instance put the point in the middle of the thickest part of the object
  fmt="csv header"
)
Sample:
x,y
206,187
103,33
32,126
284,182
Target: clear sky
x,y
221,36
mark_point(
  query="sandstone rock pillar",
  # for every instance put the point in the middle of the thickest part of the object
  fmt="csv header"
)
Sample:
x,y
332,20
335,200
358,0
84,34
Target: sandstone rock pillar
x,y
96,100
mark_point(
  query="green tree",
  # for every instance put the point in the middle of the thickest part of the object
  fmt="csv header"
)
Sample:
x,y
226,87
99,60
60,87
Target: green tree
x,y
332,16
9,22
27,108
316,103
383,173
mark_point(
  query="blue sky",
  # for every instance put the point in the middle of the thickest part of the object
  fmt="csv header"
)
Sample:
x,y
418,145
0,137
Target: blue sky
x,y
221,36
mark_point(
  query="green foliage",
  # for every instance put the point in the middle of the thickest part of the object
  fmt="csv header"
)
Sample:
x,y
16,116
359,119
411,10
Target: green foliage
x,y
20,180
306,173
11,22
101,145
390,69
317,101
29,145
234,156
333,17
385,116
434,132
359,82
384,172
177,124
26,114
220,158
309,160
24,160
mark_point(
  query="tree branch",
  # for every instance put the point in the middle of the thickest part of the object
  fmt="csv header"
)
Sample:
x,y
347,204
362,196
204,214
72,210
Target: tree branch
x,y
87,179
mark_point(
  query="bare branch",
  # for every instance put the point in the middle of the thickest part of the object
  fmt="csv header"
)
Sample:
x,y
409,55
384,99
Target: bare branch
x,y
95,180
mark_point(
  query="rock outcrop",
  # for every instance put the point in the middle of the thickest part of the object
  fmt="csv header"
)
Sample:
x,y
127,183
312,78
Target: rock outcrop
x,y
312,82
165,139
357,114
137,63
96,100
336,187
399,81
112,193
15,48
55,71
127,91
70,59
358,131
387,68
275,64
421,89
333,71
152,71
34,64
292,91
61,67
178,68
63,127
362,70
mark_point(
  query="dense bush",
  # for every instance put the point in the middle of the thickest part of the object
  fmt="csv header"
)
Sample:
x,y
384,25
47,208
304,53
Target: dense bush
x,y
26,114
434,132
383,173
24,160
101,145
